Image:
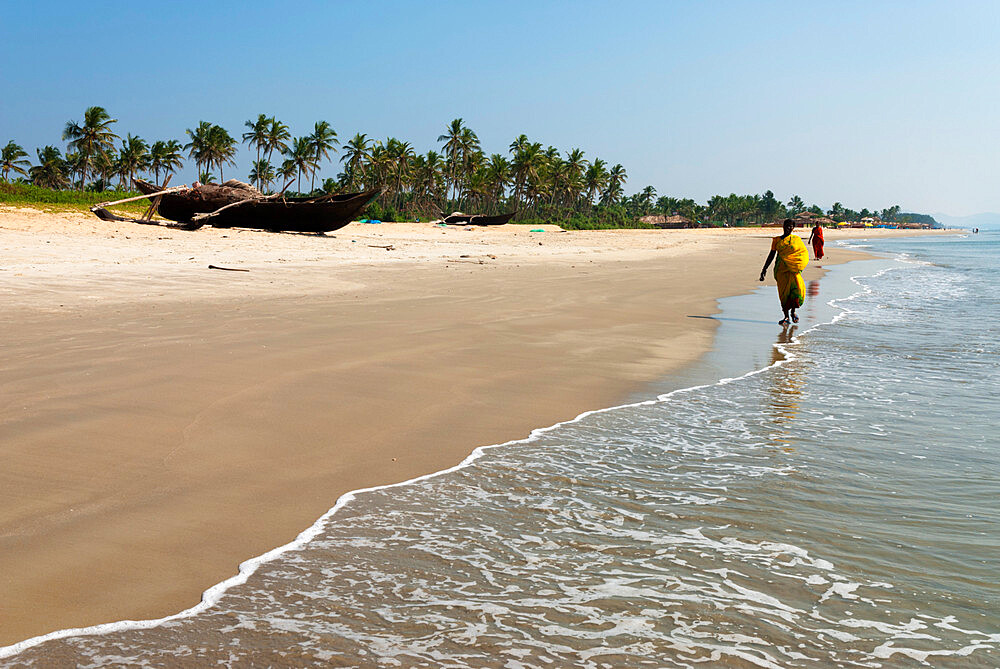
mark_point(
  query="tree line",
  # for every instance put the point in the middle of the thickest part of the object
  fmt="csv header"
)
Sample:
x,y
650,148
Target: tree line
x,y
537,181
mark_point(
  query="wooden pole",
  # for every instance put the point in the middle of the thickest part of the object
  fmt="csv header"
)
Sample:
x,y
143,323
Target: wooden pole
x,y
176,189
156,201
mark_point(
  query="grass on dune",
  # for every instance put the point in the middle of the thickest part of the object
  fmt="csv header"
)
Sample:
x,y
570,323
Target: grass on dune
x,y
46,199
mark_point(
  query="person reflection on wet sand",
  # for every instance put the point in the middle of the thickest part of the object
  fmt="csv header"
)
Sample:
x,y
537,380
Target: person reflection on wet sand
x,y
786,390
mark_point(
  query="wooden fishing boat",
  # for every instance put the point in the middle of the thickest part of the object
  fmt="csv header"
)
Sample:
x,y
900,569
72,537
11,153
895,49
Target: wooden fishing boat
x,y
235,205
478,219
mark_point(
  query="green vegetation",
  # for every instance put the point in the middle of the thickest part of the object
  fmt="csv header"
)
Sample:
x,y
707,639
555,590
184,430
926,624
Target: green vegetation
x,y
540,183
18,194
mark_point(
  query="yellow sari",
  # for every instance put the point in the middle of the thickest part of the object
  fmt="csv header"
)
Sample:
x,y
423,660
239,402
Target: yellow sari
x,y
791,258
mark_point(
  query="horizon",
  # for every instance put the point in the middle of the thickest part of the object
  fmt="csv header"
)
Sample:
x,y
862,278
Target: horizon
x,y
868,106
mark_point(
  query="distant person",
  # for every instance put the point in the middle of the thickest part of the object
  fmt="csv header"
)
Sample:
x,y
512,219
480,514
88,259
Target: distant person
x,y
816,239
792,259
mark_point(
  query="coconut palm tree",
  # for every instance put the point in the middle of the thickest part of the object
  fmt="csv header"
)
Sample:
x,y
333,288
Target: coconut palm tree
x,y
645,199
165,156
198,147
595,179
472,155
287,172
575,165
262,173
398,157
497,173
103,168
427,177
452,148
50,172
12,159
302,156
221,149
616,179
257,133
526,166
133,157
91,137
357,153
323,140
796,205
277,136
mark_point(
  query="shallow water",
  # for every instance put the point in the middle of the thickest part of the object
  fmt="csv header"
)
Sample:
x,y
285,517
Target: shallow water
x,y
837,507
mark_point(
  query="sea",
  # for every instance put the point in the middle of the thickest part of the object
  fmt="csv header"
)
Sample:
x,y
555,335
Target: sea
x,y
823,495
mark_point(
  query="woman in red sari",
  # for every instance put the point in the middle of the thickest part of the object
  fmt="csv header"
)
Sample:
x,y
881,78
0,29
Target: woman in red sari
x,y
816,239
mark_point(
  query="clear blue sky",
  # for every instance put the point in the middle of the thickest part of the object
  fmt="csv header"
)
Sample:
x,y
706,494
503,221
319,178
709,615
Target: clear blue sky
x,y
868,103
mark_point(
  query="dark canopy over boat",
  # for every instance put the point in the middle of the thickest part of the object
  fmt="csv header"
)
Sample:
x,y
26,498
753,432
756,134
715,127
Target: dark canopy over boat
x,y
236,205
477,219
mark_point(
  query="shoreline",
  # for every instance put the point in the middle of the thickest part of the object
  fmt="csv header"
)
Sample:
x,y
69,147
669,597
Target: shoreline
x,y
235,402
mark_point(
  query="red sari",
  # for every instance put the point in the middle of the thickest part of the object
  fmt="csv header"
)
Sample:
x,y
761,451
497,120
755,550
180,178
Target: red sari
x,y
817,235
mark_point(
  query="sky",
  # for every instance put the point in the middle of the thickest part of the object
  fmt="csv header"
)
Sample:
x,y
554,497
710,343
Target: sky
x,y
867,103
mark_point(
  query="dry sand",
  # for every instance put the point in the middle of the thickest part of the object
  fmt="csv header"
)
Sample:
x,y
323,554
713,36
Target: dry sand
x,y
161,422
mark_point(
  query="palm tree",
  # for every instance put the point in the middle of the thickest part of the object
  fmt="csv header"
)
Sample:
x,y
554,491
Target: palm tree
x,y
616,179
526,165
356,154
276,136
398,154
323,140
796,205
133,157
646,198
427,176
262,173
90,138
50,172
221,149
575,165
836,211
595,179
12,159
104,169
206,177
165,156
198,147
74,165
302,156
287,172
452,147
497,173
257,134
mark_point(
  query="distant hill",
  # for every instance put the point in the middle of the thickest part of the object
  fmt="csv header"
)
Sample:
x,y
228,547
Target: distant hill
x,y
986,221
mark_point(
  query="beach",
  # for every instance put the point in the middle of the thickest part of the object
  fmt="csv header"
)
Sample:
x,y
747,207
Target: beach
x,y
163,421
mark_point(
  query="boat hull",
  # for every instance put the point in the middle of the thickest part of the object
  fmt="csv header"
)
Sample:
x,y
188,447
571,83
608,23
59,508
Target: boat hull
x,y
294,214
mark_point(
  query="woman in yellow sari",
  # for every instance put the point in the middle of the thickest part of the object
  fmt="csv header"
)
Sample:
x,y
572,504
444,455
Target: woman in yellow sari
x,y
792,259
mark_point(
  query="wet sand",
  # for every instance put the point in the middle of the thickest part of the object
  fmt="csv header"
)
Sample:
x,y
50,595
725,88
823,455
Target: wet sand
x,y
160,422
